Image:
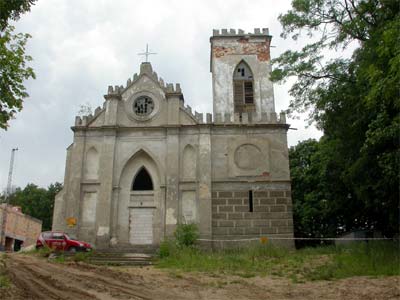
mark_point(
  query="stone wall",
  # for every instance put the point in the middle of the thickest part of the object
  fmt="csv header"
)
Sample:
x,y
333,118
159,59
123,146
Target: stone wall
x,y
271,215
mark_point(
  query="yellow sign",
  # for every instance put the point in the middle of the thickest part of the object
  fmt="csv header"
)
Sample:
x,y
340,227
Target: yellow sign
x,y
71,222
263,240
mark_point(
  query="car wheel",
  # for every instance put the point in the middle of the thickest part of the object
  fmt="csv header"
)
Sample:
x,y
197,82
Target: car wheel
x,y
72,250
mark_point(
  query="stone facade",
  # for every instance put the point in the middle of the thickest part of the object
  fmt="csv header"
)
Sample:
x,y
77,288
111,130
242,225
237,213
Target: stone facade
x,y
145,162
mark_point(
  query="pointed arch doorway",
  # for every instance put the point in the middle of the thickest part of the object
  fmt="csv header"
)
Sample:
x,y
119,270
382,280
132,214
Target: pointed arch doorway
x,y
141,214
141,202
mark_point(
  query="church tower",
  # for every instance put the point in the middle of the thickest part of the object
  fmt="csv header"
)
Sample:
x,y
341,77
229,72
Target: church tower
x,y
240,66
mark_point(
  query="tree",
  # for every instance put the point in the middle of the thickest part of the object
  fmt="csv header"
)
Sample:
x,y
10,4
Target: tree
x,y
13,60
85,109
37,202
12,9
355,101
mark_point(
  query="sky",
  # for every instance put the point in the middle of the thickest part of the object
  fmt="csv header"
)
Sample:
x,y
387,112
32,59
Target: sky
x,y
80,47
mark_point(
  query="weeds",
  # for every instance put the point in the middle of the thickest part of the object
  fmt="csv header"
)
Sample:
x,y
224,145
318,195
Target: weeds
x,y
186,235
4,280
319,263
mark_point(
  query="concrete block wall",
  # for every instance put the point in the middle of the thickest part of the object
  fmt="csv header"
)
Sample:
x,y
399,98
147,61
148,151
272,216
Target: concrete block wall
x,y
271,215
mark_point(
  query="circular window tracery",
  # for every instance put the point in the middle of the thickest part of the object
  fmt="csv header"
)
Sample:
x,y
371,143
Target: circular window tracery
x,y
143,106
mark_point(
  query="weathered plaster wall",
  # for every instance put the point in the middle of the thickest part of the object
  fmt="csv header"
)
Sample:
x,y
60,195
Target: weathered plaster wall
x,y
252,158
202,170
227,51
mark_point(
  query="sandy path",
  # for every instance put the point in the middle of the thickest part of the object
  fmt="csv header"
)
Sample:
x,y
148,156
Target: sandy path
x,y
36,278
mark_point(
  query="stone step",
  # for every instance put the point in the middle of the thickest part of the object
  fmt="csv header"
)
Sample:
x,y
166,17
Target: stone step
x,y
146,249
121,254
115,258
121,263
120,258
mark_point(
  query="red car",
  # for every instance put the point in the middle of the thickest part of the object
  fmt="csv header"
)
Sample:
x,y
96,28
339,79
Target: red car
x,y
61,241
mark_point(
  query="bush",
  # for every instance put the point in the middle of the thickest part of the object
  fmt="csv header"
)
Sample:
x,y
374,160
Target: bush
x,y
186,235
167,248
82,256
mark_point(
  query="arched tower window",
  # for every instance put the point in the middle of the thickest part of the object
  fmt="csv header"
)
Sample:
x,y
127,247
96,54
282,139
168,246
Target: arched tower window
x,y
142,181
243,88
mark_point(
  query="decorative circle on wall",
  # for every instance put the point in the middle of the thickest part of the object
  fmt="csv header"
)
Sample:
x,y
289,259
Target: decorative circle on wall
x,y
248,157
142,106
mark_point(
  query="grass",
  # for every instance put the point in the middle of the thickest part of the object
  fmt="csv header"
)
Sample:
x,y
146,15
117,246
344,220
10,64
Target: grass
x,y
61,256
4,280
77,257
319,263
41,252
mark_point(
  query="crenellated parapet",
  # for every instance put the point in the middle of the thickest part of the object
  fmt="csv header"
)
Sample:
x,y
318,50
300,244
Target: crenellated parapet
x,y
250,118
83,121
237,118
114,92
170,88
145,69
240,32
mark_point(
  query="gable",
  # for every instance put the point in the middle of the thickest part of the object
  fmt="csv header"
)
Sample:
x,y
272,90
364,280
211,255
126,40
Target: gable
x,y
186,118
98,119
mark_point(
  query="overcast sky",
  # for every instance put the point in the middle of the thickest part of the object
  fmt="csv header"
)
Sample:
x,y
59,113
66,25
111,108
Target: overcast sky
x,y
80,47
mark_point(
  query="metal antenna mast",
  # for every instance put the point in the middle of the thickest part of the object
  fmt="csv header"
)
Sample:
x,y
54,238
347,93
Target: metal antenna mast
x,y
8,190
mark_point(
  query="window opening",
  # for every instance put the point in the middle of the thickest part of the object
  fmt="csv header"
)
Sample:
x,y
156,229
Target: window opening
x,y
250,201
143,106
243,88
142,181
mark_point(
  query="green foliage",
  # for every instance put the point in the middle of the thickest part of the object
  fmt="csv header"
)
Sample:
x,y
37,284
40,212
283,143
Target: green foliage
x,y
13,60
4,280
186,235
12,9
320,263
167,248
82,256
13,71
352,180
60,259
37,202
360,259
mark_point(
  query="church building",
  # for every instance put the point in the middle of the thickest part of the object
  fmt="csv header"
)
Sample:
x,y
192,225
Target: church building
x,y
145,162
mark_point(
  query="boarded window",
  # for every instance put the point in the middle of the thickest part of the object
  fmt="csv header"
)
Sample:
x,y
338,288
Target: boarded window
x,y
243,89
248,92
142,181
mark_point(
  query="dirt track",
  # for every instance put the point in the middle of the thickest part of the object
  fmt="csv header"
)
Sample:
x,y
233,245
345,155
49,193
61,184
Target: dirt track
x,y
35,278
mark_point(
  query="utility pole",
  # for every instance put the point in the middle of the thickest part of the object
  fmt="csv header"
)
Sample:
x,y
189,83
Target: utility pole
x,y
8,192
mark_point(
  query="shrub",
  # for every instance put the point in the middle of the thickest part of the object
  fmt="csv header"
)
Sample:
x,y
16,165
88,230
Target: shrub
x,y
82,256
167,248
186,235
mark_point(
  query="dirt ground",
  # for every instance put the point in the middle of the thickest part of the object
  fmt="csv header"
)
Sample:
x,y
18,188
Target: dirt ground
x,y
35,278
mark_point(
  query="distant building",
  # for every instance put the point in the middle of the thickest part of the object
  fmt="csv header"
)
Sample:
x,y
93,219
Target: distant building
x,y
20,230
144,162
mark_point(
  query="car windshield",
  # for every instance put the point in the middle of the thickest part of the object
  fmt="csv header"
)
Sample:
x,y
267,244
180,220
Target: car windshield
x,y
71,237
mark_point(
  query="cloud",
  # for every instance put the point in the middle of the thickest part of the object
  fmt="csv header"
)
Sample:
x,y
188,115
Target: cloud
x,y
81,47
